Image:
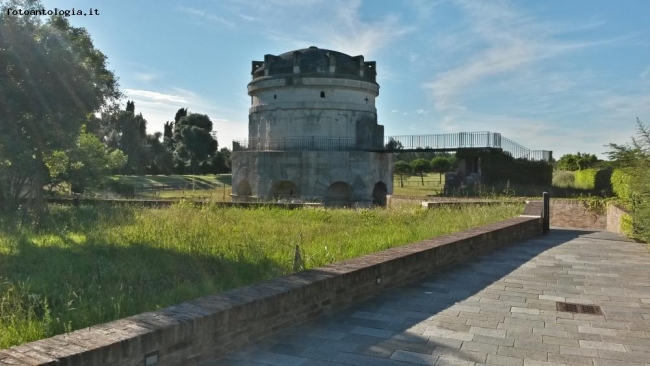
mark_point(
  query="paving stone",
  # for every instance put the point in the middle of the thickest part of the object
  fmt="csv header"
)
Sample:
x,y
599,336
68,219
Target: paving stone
x,y
319,354
522,353
373,332
592,330
603,346
270,358
322,363
458,357
498,333
445,333
504,360
537,346
551,332
479,347
560,341
413,357
576,351
623,356
603,362
445,342
363,360
494,340
541,363
569,359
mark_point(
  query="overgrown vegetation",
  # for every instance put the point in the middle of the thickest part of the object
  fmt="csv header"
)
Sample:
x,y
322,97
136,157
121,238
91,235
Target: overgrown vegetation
x,y
632,179
90,265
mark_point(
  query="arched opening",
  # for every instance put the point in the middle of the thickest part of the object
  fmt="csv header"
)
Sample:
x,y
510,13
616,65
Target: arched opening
x,y
244,188
284,189
379,194
322,94
339,194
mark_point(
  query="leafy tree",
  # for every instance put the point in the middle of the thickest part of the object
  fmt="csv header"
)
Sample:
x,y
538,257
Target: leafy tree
x,y
577,161
52,78
393,145
221,162
421,166
182,112
440,165
194,143
86,165
168,136
124,130
161,160
404,170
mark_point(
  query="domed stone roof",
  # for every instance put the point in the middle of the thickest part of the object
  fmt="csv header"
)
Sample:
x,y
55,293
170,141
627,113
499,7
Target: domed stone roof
x,y
314,60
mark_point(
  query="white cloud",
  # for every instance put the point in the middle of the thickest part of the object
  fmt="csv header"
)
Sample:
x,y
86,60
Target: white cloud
x,y
202,14
421,111
154,97
502,42
334,24
645,74
394,111
145,77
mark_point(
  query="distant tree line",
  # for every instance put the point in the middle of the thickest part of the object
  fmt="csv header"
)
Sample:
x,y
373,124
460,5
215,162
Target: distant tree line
x,y
186,146
420,163
579,161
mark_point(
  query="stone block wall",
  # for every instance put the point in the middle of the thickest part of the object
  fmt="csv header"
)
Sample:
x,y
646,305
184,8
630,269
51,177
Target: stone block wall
x,y
213,326
614,218
574,214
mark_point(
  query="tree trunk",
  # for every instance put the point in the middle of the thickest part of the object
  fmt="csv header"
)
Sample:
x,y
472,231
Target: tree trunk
x,y
422,177
439,178
37,203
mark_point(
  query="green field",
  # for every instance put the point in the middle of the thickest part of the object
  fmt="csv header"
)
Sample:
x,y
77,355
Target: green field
x,y
94,264
212,187
433,185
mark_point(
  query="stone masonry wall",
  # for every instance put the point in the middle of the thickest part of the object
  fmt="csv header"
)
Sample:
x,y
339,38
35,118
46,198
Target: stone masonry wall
x,y
213,326
574,214
614,218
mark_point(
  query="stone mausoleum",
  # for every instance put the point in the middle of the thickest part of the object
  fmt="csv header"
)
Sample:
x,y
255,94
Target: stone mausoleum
x,y
313,132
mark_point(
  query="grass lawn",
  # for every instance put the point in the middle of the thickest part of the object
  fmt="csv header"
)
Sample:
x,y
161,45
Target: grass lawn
x,y
212,187
413,185
90,265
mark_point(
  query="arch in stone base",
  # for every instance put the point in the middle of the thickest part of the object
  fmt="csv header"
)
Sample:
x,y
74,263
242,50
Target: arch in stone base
x,y
339,194
284,189
379,194
244,189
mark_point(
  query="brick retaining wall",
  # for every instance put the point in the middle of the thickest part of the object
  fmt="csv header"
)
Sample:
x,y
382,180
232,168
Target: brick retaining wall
x,y
213,326
574,214
614,218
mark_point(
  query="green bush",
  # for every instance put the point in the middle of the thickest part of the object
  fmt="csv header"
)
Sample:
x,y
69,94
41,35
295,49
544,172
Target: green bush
x,y
498,167
563,179
621,184
598,180
627,226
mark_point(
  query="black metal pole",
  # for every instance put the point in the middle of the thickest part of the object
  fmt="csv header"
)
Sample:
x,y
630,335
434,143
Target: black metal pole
x,y
546,213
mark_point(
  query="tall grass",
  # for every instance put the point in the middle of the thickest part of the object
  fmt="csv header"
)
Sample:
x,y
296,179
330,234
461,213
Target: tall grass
x,y
95,264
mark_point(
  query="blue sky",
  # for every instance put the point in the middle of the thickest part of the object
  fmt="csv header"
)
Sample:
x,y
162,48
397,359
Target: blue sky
x,y
565,76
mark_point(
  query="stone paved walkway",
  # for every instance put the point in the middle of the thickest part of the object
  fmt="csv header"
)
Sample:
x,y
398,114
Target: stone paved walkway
x,y
499,309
